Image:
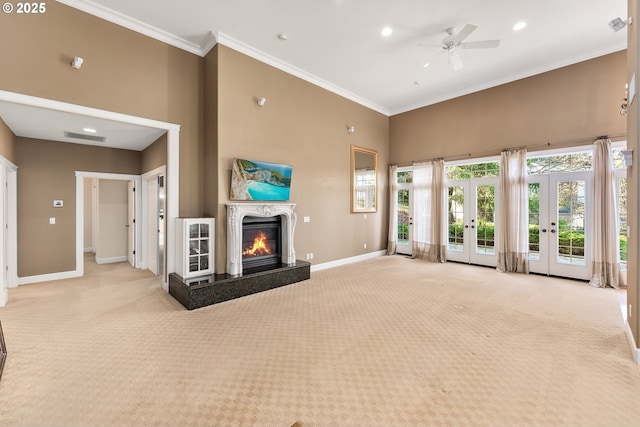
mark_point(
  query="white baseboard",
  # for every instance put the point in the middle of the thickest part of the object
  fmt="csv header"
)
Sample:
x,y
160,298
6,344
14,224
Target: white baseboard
x,y
111,260
49,277
635,351
346,261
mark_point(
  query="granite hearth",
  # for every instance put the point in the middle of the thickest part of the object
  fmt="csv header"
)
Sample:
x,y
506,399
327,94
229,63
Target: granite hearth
x,y
216,288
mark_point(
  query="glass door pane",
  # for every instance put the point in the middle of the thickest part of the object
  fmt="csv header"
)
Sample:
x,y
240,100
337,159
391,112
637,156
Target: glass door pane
x,y
485,219
456,219
571,222
534,221
403,217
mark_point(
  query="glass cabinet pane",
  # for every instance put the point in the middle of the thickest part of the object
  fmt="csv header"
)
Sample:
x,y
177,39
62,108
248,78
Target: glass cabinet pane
x,y
194,231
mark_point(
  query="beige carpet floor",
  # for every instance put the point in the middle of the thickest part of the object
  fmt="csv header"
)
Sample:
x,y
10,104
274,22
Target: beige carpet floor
x,y
385,342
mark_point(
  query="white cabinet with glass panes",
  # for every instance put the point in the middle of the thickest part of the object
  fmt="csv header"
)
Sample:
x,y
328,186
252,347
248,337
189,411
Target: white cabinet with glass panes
x,y
195,245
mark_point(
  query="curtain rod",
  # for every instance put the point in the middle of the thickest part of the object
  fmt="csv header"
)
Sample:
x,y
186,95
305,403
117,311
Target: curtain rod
x,y
531,147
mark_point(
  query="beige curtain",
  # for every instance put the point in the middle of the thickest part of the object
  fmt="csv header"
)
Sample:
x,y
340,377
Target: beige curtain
x,y
605,265
513,241
429,213
393,207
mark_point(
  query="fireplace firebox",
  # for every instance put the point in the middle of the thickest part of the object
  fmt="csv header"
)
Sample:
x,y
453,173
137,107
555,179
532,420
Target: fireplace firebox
x,y
261,242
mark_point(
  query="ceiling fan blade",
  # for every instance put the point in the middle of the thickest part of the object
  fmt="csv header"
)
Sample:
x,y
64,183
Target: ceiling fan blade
x,y
455,60
480,44
464,33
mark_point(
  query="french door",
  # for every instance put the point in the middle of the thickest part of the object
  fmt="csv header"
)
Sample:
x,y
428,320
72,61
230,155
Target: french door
x,y
405,220
559,240
471,221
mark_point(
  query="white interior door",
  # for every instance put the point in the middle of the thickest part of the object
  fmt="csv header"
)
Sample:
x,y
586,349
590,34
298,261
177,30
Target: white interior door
x,y
131,226
404,216
152,226
471,221
559,240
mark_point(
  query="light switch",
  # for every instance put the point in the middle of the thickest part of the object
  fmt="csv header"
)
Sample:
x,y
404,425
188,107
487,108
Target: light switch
x,y
52,220
307,219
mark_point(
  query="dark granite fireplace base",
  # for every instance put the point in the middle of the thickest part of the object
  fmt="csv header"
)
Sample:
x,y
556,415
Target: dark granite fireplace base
x,y
207,290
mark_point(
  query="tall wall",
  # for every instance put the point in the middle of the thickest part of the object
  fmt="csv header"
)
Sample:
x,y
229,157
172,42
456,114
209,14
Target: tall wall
x,y
155,155
304,126
46,172
574,102
7,142
123,71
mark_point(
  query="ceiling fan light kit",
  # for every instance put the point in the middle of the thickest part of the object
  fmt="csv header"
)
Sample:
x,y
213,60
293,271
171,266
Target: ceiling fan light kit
x,y
454,42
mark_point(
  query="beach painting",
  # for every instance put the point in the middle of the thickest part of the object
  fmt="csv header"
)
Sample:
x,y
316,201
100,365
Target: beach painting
x,y
261,181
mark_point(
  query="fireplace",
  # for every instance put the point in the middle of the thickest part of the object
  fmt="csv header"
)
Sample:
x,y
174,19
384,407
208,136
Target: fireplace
x,y
261,242
281,213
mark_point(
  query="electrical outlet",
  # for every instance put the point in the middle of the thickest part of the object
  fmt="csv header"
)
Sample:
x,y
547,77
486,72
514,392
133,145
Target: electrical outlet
x,y
308,256
311,255
52,221
365,246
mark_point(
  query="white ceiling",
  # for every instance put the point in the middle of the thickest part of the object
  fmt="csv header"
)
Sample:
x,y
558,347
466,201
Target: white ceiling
x,y
337,44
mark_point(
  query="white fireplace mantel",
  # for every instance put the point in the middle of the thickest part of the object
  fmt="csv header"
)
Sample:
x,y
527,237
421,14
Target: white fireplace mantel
x,y
237,211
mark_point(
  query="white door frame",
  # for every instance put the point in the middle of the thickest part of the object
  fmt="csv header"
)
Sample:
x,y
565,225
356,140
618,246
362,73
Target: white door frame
x,y
146,177
469,254
8,228
172,176
549,221
80,177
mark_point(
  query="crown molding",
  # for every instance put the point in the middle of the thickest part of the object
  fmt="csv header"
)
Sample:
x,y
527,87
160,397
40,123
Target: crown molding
x,y
297,72
134,25
209,41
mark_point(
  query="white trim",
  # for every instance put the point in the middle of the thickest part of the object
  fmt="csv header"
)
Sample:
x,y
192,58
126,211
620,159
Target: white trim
x,y
345,261
112,260
635,351
297,72
173,156
134,25
27,280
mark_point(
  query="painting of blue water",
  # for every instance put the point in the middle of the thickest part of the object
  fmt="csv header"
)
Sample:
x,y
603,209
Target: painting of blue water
x,y
251,180
264,191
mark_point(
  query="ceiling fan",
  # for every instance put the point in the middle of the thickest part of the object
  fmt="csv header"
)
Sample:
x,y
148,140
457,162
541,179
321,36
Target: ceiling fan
x,y
454,42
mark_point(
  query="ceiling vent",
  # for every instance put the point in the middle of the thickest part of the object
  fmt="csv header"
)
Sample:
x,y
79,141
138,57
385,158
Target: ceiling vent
x,y
84,137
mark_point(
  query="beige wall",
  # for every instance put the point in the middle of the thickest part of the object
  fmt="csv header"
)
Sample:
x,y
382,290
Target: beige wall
x,y
7,142
578,101
304,126
633,130
46,172
123,71
155,155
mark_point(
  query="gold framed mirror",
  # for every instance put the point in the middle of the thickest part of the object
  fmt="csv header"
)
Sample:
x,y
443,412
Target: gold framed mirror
x,y
364,180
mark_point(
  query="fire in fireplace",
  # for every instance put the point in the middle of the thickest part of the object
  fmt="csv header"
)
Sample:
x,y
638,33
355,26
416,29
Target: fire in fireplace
x,y
261,242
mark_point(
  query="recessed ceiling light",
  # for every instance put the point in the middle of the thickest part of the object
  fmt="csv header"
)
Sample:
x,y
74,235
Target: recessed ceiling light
x,y
386,31
417,83
519,26
283,36
89,130
426,65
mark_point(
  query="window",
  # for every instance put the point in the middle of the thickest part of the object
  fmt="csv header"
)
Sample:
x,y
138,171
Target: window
x,y
477,170
570,162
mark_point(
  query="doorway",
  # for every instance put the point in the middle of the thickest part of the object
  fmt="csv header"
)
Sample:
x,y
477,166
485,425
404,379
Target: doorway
x,y
559,240
154,213
471,221
8,228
